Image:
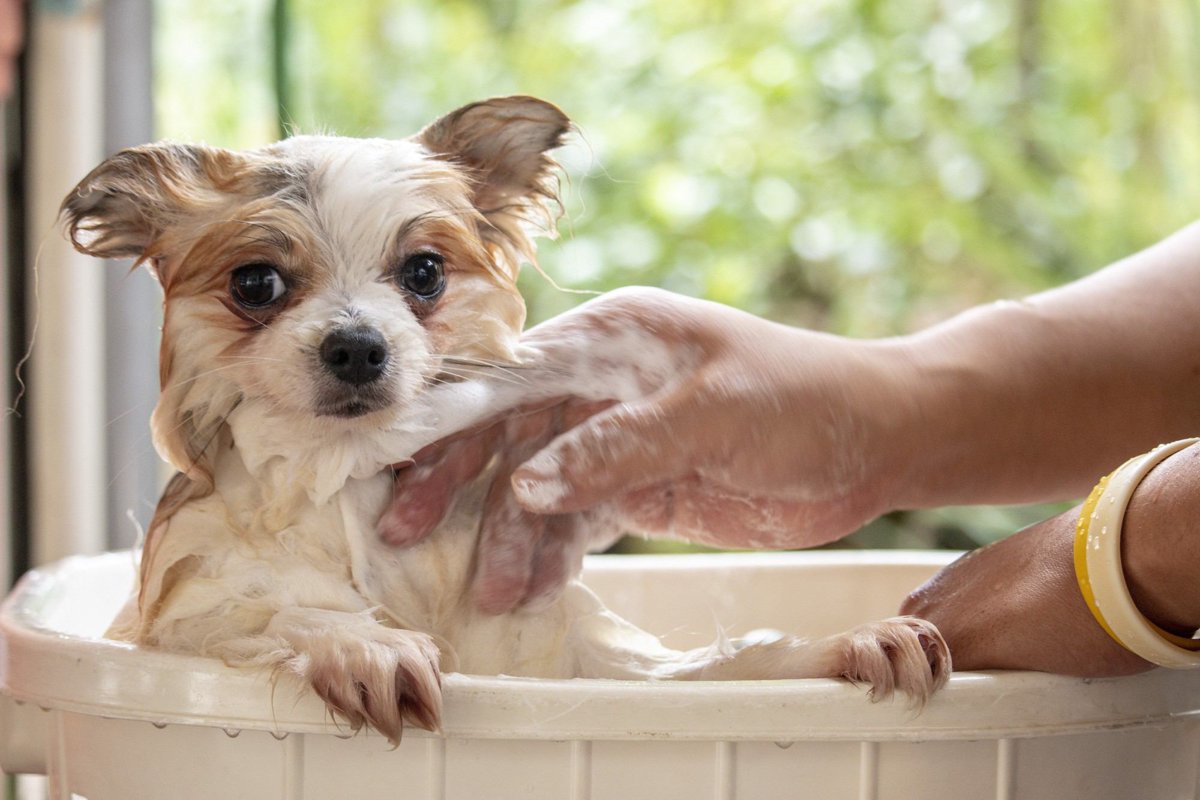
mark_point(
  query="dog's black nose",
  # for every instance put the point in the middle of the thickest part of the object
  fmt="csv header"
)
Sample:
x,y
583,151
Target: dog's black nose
x,y
355,355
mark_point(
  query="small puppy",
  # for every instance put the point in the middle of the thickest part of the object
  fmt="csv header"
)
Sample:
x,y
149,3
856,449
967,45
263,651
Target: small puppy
x,y
318,294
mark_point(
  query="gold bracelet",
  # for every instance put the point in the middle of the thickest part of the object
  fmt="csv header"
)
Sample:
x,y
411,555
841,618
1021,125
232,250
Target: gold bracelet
x,y
1101,577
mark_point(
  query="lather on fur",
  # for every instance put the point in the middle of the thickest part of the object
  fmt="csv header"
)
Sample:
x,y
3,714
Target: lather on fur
x,y
320,296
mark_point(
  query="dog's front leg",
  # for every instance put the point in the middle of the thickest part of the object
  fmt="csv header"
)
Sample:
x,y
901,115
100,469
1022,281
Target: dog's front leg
x,y
366,672
903,654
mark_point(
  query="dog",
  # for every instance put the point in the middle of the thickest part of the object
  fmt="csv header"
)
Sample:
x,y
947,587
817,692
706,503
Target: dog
x,y
317,294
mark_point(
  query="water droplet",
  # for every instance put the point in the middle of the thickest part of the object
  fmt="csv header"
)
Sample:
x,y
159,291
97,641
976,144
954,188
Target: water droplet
x,y
1103,530
1112,500
784,745
344,735
232,733
159,725
279,735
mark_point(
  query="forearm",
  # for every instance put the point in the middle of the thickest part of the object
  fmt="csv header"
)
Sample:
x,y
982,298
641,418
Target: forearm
x,y
1016,604
1030,400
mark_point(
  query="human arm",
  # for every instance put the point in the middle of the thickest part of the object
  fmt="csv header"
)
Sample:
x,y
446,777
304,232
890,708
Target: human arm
x,y
1015,401
1030,400
1016,604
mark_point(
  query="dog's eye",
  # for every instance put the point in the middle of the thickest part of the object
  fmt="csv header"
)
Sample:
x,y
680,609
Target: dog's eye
x,y
423,275
256,285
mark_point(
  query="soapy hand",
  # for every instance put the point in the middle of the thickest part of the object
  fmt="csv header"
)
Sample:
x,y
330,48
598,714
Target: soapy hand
x,y
731,431
524,558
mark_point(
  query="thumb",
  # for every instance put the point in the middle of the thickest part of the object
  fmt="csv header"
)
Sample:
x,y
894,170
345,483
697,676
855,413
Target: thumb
x,y
626,447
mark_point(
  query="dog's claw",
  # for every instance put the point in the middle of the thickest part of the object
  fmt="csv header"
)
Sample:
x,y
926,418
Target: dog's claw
x,y
902,653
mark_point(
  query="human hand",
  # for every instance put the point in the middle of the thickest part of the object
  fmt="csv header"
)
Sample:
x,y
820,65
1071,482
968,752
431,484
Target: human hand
x,y
1015,604
524,558
734,431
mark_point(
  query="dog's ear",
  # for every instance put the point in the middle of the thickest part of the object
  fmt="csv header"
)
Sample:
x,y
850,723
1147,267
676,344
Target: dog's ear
x,y
504,143
125,206
146,203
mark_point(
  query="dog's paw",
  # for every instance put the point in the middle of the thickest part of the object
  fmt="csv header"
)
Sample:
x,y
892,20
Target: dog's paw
x,y
384,680
900,654
367,673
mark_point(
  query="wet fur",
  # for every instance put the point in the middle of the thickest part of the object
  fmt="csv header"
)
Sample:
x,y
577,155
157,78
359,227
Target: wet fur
x,y
263,551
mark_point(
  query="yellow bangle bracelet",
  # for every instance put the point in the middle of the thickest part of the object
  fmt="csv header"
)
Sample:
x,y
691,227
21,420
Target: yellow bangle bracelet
x,y
1101,577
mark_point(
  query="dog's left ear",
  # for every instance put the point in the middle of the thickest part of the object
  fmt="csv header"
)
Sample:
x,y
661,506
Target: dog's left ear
x,y
504,144
143,202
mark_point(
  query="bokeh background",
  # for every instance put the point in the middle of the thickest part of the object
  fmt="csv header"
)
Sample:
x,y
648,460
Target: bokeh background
x,y
865,167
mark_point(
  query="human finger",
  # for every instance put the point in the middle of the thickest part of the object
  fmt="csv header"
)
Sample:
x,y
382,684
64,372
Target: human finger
x,y
625,447
424,492
509,535
557,557
508,538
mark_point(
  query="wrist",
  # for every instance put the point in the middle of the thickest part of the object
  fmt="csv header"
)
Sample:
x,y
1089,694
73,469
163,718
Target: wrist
x,y
887,406
827,424
925,430
1159,548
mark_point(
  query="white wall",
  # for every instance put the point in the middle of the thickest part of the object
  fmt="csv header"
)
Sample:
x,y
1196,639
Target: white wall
x,y
66,406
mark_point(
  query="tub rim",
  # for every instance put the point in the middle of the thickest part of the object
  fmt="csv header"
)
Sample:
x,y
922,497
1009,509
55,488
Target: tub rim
x,y
76,674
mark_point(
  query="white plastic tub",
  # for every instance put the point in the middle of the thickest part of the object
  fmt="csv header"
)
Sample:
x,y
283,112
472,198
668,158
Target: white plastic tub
x,y
109,722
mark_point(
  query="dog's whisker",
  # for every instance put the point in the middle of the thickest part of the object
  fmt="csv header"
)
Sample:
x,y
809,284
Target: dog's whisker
x,y
465,373
481,362
488,368
551,370
238,361
469,373
490,372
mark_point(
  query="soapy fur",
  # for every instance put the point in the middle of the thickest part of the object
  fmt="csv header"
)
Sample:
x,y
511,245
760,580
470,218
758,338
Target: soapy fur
x,y
263,549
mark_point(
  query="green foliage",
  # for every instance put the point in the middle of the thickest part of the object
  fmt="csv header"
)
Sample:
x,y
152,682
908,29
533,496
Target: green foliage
x,y
861,166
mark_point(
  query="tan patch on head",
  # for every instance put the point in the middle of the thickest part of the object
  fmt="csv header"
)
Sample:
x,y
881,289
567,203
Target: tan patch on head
x,y
142,203
264,231
481,313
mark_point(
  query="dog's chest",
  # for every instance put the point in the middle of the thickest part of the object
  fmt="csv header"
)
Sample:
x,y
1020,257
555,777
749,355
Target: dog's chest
x,y
313,550
328,556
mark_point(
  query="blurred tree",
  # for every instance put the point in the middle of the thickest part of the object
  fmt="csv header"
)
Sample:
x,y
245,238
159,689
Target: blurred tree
x,y
860,166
